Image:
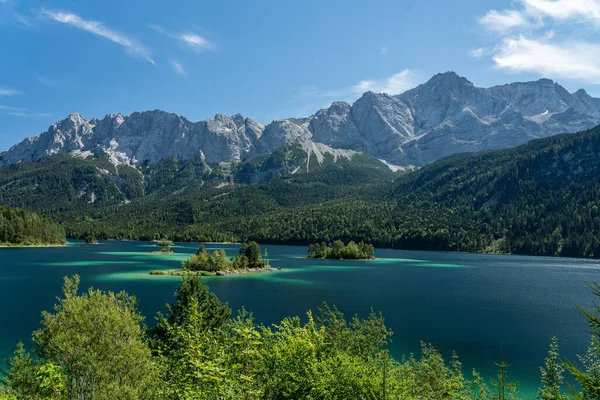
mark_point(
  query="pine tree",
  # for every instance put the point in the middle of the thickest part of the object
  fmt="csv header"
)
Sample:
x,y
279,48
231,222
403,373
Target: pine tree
x,y
552,375
587,373
506,390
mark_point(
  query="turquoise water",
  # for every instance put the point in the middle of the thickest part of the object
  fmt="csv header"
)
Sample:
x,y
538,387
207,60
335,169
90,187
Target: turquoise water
x,y
464,302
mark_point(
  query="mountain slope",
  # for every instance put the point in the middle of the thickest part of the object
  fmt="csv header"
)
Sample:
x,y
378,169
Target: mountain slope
x,y
444,116
79,182
541,198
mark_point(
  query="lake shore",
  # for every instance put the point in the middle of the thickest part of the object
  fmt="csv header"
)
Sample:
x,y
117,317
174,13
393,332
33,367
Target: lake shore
x,y
30,246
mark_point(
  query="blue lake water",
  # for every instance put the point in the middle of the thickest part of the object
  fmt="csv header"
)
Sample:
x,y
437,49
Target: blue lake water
x,y
469,303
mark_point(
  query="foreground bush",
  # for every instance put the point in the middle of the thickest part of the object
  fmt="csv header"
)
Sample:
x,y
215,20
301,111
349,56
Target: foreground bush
x,y
95,346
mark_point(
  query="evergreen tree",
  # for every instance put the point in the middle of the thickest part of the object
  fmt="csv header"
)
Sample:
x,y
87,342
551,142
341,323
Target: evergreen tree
x,y
191,291
505,390
587,372
552,375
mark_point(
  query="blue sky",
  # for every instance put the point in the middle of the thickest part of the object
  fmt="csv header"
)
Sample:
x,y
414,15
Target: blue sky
x,y
272,59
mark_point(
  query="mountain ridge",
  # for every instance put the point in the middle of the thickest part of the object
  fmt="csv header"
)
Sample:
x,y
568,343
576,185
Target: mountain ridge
x,y
446,115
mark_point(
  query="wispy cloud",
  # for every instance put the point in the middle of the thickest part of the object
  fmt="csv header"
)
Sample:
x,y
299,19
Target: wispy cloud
x,y
189,39
195,41
9,108
21,20
570,60
8,15
28,115
178,68
22,112
547,37
4,91
393,84
46,81
131,46
477,53
384,50
312,98
502,21
563,9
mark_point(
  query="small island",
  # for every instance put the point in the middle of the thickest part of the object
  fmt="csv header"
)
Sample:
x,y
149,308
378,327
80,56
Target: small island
x,y
339,251
90,238
249,259
165,247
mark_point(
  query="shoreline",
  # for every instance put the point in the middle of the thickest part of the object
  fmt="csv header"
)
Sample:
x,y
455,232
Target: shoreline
x,y
479,252
341,259
29,246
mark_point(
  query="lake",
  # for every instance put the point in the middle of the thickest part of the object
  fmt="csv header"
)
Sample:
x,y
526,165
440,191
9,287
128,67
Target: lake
x,y
470,303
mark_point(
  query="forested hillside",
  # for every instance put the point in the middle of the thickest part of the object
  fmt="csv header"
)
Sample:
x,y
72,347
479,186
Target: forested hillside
x,y
541,198
20,227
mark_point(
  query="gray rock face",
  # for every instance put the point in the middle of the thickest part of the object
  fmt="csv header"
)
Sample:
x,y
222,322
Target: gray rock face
x,y
446,115
384,122
148,136
281,133
335,126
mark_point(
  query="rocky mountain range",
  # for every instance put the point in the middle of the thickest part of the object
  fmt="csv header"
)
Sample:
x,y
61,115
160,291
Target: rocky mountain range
x,y
443,116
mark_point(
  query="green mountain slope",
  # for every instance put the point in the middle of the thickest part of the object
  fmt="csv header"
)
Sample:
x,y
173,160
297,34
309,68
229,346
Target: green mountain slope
x,y
540,198
62,183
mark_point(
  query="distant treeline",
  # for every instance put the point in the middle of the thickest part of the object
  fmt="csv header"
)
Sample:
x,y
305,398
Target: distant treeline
x,y
338,250
21,227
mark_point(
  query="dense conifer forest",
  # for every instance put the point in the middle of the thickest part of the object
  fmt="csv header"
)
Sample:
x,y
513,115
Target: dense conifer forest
x,y
24,228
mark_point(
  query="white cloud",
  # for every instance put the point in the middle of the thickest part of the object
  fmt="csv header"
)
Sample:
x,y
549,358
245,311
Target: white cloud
x,y
21,20
563,9
503,21
546,37
178,68
28,115
9,108
570,60
477,53
384,50
131,46
192,40
394,84
4,91
50,82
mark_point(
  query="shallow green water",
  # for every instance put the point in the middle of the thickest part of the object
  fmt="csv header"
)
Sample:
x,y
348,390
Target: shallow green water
x,y
463,302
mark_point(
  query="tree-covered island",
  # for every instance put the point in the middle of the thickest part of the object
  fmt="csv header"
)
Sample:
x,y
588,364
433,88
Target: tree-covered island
x,y
165,247
339,251
248,259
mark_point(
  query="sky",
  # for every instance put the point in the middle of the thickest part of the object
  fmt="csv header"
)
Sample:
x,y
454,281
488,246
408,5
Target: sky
x,y
272,59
